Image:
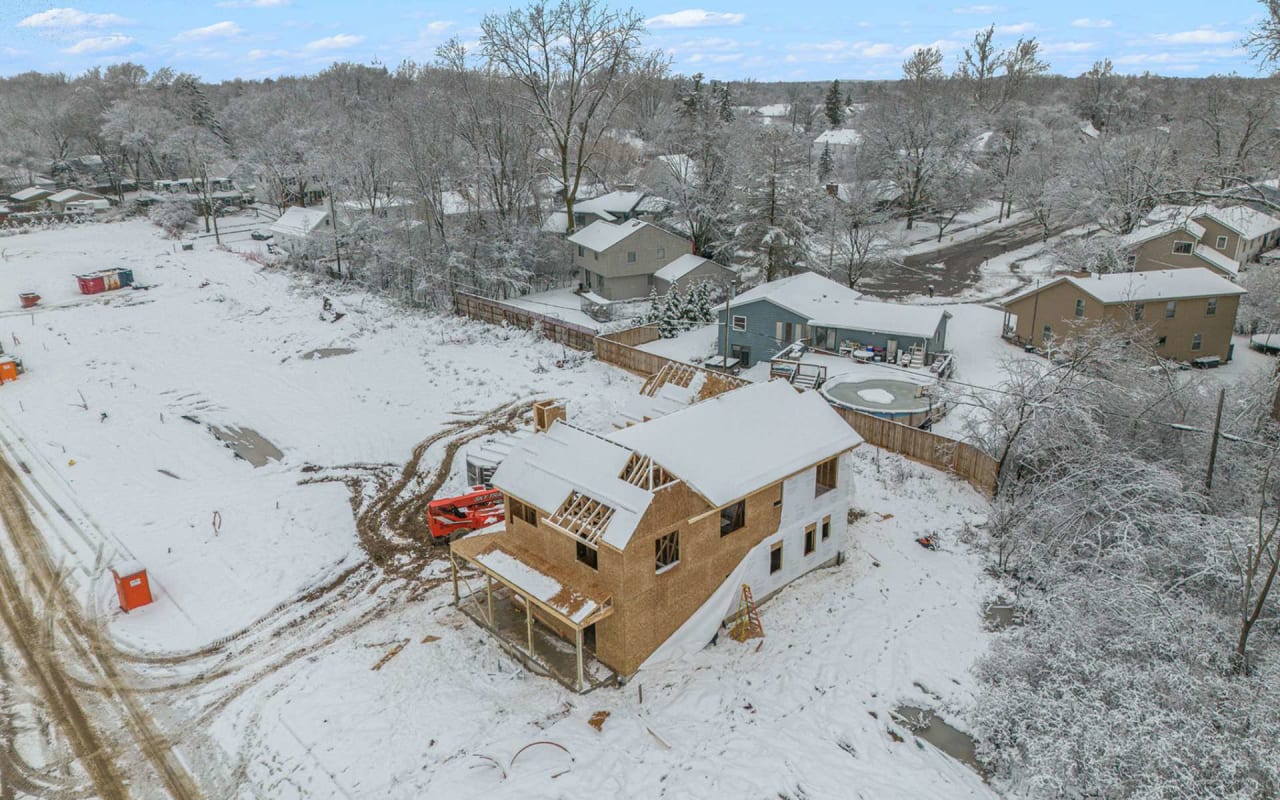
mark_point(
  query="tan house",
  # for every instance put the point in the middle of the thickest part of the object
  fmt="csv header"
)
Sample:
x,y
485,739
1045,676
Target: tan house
x,y
1190,312
1176,244
633,546
617,261
690,269
1238,232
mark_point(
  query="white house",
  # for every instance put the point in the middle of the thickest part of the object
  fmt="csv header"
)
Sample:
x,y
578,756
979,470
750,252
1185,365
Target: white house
x,y
298,223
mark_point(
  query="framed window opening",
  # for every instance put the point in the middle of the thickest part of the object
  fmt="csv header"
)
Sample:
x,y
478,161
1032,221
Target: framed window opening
x,y
739,323
666,551
810,539
733,517
522,511
1182,248
775,558
588,555
1080,307
826,528
826,477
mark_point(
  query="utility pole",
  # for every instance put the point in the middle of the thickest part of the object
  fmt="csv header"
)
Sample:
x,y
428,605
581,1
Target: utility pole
x,y
728,320
1213,441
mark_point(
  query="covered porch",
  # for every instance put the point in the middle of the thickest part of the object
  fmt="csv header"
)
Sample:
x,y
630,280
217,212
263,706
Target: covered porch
x,y
535,614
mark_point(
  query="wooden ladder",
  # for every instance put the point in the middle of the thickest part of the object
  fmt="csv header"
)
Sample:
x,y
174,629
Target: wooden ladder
x,y
746,623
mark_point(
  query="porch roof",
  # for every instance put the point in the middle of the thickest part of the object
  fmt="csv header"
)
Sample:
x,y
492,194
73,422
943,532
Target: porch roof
x,y
577,602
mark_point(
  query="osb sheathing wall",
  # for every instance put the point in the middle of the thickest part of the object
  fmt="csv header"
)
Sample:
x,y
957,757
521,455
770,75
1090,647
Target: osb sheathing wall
x,y
654,605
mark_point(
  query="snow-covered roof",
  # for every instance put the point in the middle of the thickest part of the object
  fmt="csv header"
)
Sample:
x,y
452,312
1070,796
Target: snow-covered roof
x,y
723,449
526,572
1220,261
808,295
545,470
678,165
1245,221
30,193
839,136
774,110
870,315
74,194
613,203
600,235
682,266
1131,287
1158,229
299,221
556,222
669,397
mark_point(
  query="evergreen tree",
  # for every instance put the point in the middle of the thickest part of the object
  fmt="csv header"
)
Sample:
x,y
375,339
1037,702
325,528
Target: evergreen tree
x,y
698,305
670,324
826,164
834,106
654,312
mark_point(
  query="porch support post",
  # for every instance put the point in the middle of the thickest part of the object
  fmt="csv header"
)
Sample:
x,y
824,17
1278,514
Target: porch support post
x,y
528,622
453,571
488,590
579,648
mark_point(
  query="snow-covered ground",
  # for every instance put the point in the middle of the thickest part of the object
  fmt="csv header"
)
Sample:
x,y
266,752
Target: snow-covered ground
x,y
562,304
316,708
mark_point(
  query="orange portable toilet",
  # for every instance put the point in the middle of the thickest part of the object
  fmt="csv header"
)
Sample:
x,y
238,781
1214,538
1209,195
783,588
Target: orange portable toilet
x,y
131,585
8,369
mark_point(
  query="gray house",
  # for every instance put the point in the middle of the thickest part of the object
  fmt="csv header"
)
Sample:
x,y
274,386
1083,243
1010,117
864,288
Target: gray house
x,y
617,262
826,316
690,269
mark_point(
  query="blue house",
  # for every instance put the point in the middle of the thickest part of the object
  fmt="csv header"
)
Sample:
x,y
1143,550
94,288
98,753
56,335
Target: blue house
x,y
829,316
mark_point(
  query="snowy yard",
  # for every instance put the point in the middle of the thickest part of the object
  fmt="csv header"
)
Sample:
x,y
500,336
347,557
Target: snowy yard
x,y
347,680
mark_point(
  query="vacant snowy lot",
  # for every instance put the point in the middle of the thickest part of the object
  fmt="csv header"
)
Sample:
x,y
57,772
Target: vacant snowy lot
x,y
317,670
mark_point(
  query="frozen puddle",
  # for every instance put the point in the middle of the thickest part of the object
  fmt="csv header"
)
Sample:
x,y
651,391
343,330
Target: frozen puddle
x,y
247,444
925,725
999,616
327,352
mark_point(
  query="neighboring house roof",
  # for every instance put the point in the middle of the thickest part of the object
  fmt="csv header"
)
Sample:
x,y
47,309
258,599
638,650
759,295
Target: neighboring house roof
x,y
1245,221
30,193
613,203
716,448
556,222
839,136
678,166
1158,229
299,221
66,195
683,266
807,295
877,317
1131,287
1219,261
547,469
600,235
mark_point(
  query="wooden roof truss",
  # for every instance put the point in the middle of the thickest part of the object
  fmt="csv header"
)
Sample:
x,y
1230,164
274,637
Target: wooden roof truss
x,y
582,517
641,471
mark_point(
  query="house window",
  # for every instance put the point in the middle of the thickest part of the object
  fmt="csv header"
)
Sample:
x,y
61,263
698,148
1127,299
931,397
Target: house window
x,y
1080,307
739,323
1170,309
826,528
1196,341
1131,259
522,511
784,332
1211,307
631,256
1221,244
733,517
582,251
1182,248
662,252
810,539
666,551
588,555
1161,341
1046,334
826,477
595,255
1138,310
775,558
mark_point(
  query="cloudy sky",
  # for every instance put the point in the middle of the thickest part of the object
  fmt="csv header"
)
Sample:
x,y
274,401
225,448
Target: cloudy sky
x,y
219,39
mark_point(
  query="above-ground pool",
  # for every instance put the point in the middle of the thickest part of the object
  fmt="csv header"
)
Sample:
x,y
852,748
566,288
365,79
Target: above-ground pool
x,y
900,401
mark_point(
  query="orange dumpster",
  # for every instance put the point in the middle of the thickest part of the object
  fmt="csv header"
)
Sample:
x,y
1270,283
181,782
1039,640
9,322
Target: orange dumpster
x,y
29,299
132,587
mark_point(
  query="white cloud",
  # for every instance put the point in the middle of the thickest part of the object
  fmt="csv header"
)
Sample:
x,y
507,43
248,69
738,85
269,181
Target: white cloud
x,y
695,18
1198,36
339,42
253,3
67,18
1085,22
977,9
1020,27
437,28
881,50
258,55
99,44
1067,47
218,30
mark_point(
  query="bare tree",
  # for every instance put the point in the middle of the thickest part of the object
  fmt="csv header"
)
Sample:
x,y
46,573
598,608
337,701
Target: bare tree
x,y
573,60
1264,40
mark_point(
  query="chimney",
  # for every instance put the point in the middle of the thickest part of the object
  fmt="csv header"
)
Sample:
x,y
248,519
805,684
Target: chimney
x,y
546,412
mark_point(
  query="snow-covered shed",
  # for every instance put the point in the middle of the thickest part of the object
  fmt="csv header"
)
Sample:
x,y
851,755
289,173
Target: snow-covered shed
x,y
615,541
298,222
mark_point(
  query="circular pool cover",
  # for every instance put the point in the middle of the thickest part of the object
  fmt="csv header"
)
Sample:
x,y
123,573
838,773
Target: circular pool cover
x,y
878,396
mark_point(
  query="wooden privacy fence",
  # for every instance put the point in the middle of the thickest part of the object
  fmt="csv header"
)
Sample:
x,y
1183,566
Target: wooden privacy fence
x,y
579,337
619,349
965,460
